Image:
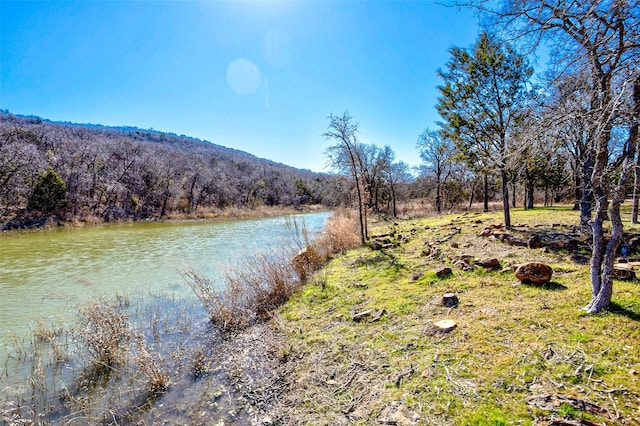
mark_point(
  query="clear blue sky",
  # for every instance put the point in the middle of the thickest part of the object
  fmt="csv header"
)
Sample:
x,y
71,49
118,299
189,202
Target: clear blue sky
x,y
259,76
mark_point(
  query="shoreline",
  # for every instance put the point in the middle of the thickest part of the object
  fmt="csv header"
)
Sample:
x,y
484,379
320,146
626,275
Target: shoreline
x,y
57,222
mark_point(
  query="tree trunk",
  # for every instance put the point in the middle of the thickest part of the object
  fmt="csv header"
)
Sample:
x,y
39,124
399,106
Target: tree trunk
x,y
577,192
634,135
486,193
505,199
586,198
513,191
438,196
636,191
530,191
472,193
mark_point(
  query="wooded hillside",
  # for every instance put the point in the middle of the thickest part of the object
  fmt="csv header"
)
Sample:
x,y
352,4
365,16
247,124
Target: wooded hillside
x,y
123,172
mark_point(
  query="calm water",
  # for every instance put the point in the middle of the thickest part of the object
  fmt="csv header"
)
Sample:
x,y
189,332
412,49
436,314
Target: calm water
x,y
46,274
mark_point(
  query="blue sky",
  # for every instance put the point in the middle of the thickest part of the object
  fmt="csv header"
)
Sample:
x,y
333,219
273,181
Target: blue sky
x,y
259,76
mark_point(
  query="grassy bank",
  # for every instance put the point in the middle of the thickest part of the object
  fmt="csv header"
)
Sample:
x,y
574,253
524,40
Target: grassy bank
x,y
519,355
357,344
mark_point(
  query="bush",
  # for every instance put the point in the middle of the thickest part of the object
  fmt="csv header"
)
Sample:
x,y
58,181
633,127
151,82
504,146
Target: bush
x,y
49,193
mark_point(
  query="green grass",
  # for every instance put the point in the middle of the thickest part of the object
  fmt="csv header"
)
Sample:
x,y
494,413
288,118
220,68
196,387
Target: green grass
x,y
512,341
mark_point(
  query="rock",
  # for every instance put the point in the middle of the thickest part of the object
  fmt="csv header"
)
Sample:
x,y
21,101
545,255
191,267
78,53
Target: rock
x,y
375,245
445,326
558,245
485,233
489,263
534,273
514,241
416,276
623,273
362,315
455,245
534,242
450,300
622,260
443,272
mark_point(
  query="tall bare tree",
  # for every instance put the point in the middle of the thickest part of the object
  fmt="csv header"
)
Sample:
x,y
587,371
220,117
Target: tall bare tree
x,y
347,156
604,38
436,152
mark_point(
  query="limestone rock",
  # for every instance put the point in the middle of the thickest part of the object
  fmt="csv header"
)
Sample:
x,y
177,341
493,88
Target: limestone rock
x,y
445,326
534,273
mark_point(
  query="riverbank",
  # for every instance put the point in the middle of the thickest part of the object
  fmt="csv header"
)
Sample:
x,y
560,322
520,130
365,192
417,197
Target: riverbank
x,y
362,347
357,344
37,221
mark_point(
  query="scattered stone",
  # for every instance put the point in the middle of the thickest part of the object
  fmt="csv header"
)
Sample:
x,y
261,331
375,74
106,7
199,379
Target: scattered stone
x,y
534,242
485,233
443,272
445,326
623,273
489,263
514,241
534,273
455,245
450,300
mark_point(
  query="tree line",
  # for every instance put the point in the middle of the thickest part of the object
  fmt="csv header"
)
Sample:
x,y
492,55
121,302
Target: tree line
x,y
574,132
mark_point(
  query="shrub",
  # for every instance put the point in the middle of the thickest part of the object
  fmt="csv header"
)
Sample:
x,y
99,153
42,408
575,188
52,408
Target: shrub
x,y
49,193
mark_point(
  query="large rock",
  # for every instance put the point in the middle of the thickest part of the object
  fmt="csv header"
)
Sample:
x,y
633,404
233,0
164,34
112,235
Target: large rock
x,y
623,272
489,263
534,273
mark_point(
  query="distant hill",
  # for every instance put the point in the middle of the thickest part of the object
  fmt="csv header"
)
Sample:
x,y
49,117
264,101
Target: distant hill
x,y
127,172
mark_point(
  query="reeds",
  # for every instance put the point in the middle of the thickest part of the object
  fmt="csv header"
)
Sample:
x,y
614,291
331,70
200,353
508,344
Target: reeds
x,y
105,333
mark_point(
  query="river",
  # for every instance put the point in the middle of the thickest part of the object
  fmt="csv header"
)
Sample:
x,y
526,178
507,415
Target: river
x,y
48,274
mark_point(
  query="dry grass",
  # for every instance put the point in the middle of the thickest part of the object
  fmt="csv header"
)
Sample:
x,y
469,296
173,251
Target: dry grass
x,y
105,333
258,285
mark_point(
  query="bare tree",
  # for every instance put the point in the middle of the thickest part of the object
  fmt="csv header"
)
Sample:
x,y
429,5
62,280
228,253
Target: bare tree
x,y
346,156
604,38
436,152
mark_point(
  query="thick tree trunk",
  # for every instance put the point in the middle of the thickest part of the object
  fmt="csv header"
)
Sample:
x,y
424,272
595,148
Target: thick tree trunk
x,y
530,190
604,253
586,198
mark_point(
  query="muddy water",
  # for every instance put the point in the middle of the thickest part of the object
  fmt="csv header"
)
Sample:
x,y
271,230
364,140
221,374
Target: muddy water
x,y
47,274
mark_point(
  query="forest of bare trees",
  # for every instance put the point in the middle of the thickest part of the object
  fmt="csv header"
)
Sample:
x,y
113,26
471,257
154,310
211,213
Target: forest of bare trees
x,y
114,173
